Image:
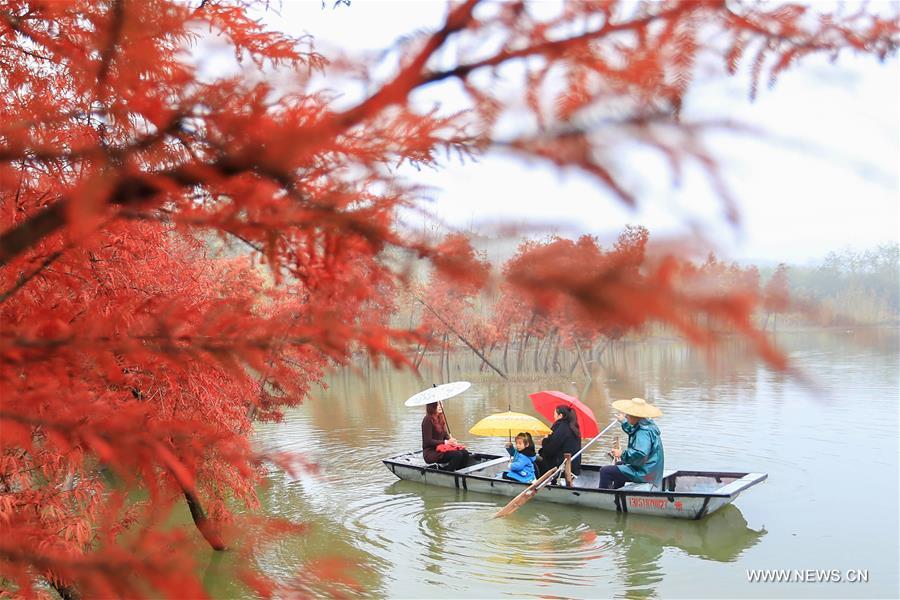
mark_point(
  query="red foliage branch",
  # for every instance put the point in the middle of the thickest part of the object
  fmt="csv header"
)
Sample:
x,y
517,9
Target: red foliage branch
x,y
139,198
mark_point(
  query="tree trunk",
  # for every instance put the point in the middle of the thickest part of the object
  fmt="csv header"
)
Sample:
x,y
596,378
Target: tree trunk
x,y
506,355
464,340
602,350
445,357
202,522
522,350
572,368
537,353
447,341
66,592
412,314
584,366
419,357
440,364
547,354
486,353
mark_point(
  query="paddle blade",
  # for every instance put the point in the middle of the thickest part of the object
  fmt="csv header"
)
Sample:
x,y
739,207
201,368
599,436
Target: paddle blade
x,y
526,495
515,503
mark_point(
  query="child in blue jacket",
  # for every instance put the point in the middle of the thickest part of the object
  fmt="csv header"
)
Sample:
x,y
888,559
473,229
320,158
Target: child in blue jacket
x,y
523,456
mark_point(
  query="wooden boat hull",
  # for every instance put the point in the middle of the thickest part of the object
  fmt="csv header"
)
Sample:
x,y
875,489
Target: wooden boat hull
x,y
685,494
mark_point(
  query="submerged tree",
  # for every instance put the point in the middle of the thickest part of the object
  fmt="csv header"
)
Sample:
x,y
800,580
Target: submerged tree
x,y
776,295
447,301
132,359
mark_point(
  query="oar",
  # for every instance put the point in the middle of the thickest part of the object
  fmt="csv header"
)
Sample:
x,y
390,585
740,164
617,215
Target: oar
x,y
533,489
611,454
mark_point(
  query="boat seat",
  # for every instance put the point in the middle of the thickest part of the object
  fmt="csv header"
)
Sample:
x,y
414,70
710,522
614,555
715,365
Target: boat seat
x,y
560,480
482,465
440,466
638,487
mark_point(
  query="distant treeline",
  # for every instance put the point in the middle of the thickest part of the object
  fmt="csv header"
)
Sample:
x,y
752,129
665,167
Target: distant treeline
x,y
511,333
849,286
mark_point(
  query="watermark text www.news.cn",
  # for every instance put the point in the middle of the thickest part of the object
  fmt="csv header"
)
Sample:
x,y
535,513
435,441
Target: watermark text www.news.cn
x,y
808,575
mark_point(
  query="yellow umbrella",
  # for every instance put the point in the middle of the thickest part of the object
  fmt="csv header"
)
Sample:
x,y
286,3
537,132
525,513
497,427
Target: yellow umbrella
x,y
507,423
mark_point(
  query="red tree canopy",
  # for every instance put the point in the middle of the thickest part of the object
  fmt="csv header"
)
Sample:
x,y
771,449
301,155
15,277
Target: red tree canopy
x,y
131,347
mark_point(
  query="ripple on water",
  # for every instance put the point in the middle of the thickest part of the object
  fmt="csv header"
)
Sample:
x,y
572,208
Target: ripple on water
x,y
420,541
432,531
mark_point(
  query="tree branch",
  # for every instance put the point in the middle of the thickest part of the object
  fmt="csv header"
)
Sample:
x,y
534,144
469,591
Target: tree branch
x,y
135,189
115,31
23,279
409,78
66,592
460,336
204,525
559,46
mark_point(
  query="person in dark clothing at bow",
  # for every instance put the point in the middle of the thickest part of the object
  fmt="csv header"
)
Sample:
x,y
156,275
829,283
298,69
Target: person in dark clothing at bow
x,y
434,434
564,438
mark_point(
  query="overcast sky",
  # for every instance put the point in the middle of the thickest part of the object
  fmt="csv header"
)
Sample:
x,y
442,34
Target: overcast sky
x,y
828,181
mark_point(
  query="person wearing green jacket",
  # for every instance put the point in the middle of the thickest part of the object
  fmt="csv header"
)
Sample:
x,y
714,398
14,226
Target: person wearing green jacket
x,y
643,458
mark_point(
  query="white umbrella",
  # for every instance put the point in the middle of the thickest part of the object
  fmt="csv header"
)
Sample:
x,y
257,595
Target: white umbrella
x,y
438,393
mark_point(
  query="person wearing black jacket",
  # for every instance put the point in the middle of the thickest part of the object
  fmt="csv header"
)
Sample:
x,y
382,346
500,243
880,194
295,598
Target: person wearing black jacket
x,y
565,437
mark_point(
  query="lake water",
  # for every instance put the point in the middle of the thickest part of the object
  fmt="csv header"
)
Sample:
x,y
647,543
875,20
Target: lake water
x,y
829,443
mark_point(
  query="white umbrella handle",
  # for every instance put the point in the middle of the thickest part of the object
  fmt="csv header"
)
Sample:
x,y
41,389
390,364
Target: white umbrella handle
x,y
444,416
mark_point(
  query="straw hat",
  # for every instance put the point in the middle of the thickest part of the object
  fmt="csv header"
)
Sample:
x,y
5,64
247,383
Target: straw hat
x,y
637,407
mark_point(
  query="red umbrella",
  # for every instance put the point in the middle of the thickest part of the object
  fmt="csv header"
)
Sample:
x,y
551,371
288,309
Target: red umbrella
x,y
546,402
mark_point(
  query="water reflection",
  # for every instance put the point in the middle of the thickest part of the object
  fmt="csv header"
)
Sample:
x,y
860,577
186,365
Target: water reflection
x,y
721,537
450,535
285,559
721,412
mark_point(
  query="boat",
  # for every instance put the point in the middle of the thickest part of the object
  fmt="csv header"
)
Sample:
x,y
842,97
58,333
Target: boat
x,y
683,494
